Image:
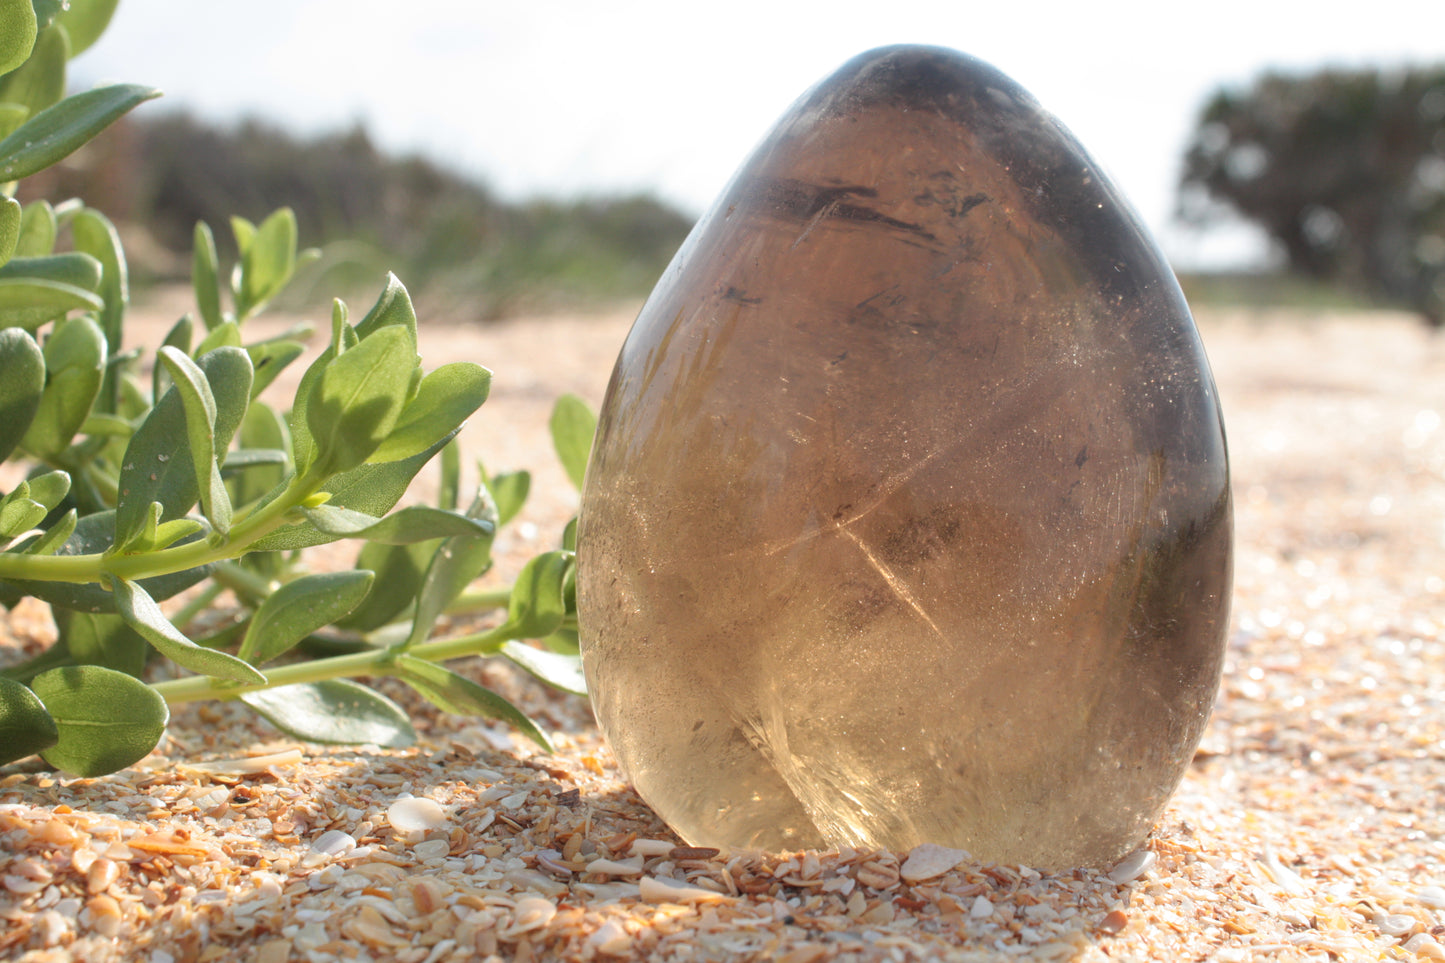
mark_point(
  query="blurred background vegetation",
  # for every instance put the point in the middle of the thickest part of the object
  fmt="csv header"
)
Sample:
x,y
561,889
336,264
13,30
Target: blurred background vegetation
x,y
1343,170
464,252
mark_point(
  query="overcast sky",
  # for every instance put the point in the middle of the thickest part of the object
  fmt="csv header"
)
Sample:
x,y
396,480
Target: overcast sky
x,y
600,96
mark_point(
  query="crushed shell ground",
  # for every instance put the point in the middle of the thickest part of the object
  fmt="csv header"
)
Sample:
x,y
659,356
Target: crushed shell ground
x,y
1308,828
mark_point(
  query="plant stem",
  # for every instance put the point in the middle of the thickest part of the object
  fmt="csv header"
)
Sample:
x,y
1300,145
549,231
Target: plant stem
x,y
481,600
372,663
178,558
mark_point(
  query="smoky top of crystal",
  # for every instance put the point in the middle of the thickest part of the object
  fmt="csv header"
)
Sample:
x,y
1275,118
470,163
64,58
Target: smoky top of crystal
x,y
1062,186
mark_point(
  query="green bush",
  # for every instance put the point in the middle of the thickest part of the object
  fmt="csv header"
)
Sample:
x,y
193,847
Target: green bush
x,y
1343,169
137,487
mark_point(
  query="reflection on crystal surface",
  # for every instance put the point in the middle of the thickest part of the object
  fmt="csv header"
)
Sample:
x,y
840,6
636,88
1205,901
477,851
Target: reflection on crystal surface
x,y
908,518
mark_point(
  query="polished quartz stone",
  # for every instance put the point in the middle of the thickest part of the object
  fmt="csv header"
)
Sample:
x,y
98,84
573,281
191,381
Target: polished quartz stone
x,y
908,519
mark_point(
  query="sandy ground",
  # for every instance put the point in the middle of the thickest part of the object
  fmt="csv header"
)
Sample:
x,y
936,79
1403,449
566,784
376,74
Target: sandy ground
x,y
1308,828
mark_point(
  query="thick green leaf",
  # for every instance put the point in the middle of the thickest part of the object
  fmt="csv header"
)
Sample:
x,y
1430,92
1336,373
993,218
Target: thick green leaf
x,y
199,406
267,262
371,489
415,523
37,230
270,358
10,221
48,488
228,372
417,374
168,533
573,424
21,388
298,608
340,314
85,20
158,534
18,28
355,404
19,513
569,534
142,614
303,446
30,303
554,668
334,711
104,640
95,235
261,429
145,539
227,334
509,491
57,131
158,464
539,603
393,307
455,565
339,522
206,275
25,727
459,695
178,337
92,535
156,467
445,400
39,82
399,570
50,542
75,268
75,355
107,720
243,231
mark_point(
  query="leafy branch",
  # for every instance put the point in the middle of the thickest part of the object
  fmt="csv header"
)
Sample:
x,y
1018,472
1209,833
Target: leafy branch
x,y
139,486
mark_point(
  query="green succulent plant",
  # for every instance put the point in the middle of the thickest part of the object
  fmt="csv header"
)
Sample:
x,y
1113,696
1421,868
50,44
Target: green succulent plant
x,y
137,482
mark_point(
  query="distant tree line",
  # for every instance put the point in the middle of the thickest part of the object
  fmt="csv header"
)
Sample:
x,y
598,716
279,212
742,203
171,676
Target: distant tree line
x,y
1344,169
441,231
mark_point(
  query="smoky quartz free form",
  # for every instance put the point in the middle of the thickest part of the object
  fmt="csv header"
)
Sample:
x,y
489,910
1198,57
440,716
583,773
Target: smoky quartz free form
x,y
908,518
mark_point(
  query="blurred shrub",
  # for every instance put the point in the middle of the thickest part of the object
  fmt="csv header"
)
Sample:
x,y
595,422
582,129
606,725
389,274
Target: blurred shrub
x,y
1256,290
1344,169
463,249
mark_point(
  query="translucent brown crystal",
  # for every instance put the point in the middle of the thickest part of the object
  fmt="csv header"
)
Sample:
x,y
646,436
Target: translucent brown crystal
x,y
908,518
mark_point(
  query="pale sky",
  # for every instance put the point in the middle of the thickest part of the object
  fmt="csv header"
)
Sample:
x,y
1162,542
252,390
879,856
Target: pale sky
x,y
602,96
